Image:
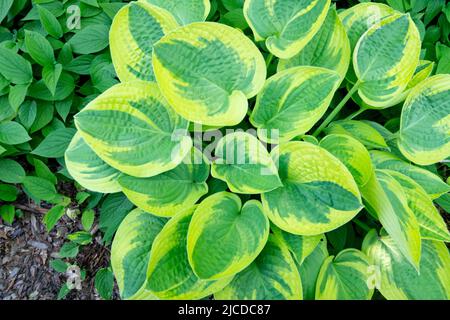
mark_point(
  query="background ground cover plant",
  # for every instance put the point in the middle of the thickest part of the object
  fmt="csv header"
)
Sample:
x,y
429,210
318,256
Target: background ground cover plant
x,y
38,128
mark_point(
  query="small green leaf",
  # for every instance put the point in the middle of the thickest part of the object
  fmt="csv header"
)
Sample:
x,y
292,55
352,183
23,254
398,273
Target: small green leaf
x,y
87,219
43,171
58,265
53,216
40,188
17,95
104,283
50,75
39,48
69,250
15,68
49,22
90,39
7,213
8,192
63,292
11,171
55,144
5,6
13,133
80,237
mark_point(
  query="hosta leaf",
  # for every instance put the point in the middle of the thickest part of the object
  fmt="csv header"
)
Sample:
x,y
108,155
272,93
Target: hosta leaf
x,y
245,164
330,48
309,269
300,246
425,123
225,237
399,280
135,29
88,169
423,71
430,182
344,277
385,198
292,101
359,130
169,275
318,195
185,11
130,251
169,192
133,129
385,59
286,25
351,153
207,71
432,226
272,276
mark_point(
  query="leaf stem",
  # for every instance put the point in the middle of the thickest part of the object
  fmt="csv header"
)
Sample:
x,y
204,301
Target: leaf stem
x,y
362,225
269,59
355,114
336,110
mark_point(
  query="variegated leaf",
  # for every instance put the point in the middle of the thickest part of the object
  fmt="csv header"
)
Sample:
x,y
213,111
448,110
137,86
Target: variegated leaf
x,y
134,31
184,11
344,277
169,275
130,252
207,71
272,276
88,169
430,182
318,195
385,59
385,198
168,193
133,129
352,153
359,130
300,246
285,25
244,164
432,226
398,279
330,48
292,101
425,122
225,237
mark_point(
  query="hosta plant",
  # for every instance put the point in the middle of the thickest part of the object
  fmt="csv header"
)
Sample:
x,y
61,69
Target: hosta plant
x,y
250,182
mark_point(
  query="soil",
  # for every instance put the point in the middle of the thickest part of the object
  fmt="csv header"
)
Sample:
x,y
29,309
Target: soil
x,y
26,250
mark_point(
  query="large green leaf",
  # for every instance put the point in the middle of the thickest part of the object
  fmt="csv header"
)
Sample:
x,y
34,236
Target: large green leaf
x,y
432,226
134,31
352,153
344,277
207,71
88,169
133,129
130,252
225,237
272,276
169,192
185,11
429,181
330,48
385,198
400,280
169,275
385,59
318,195
285,25
244,164
425,122
292,101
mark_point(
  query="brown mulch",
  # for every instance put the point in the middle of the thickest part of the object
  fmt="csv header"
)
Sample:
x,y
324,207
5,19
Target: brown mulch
x,y
26,250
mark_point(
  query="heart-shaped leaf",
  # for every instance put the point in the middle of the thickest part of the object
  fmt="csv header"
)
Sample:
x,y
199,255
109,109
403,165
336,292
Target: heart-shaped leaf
x,y
244,164
318,195
133,129
207,71
134,31
286,25
292,101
